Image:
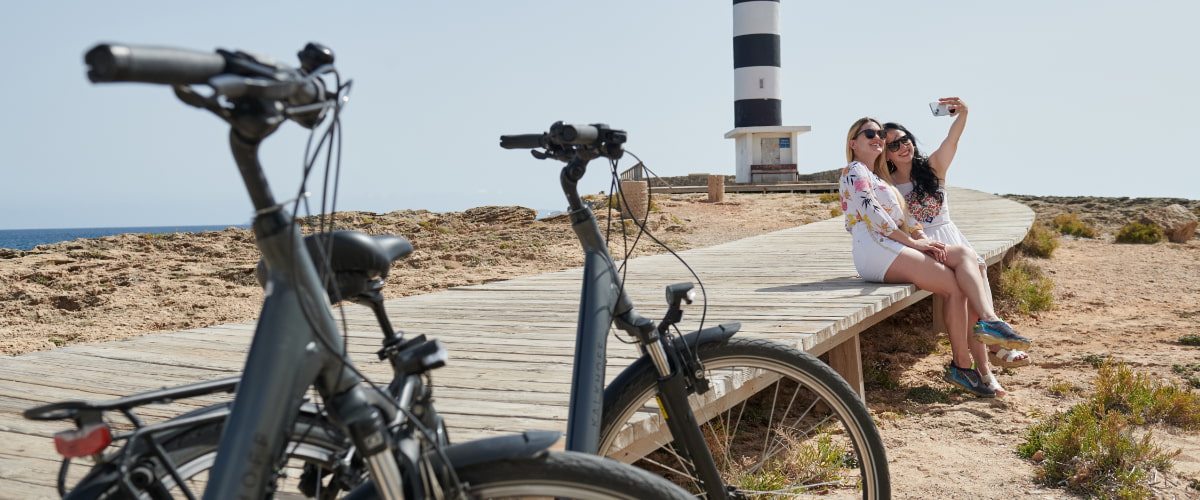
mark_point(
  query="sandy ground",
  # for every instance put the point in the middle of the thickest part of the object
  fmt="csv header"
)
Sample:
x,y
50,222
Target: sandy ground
x,y
1128,302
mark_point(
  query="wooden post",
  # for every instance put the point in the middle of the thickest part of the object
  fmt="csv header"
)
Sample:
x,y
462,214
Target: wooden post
x,y
939,318
716,188
846,359
635,200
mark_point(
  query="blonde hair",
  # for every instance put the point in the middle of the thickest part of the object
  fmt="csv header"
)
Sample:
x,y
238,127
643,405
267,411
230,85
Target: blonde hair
x,y
879,166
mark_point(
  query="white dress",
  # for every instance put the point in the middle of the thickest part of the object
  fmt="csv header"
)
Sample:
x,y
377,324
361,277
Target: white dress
x,y
873,211
933,213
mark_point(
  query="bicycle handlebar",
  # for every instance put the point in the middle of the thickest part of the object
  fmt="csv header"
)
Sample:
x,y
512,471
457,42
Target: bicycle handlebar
x,y
566,140
149,64
524,141
230,74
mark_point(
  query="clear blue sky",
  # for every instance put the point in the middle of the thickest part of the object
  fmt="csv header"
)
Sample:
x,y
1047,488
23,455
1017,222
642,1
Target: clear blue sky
x,y
1067,98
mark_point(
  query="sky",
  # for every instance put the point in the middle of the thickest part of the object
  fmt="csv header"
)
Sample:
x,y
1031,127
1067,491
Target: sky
x,y
1066,98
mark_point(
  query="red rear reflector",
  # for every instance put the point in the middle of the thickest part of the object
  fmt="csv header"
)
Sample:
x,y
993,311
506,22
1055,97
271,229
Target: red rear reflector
x,y
89,440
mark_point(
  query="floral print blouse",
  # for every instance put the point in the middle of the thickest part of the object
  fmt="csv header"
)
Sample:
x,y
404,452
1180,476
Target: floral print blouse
x,y
869,200
931,211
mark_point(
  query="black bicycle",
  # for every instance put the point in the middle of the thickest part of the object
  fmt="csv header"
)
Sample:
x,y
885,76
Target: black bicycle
x,y
723,417
303,419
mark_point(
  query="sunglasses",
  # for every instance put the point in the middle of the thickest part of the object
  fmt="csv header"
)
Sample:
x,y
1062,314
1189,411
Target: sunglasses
x,y
870,133
895,145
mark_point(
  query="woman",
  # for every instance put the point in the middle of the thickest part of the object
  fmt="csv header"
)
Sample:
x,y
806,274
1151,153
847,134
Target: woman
x,y
889,246
920,179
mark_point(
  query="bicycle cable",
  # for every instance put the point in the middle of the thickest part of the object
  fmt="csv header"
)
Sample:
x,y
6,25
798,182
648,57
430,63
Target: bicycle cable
x,y
331,131
329,142
641,224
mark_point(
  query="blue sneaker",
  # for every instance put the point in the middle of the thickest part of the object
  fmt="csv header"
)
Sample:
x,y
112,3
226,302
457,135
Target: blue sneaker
x,y
999,333
968,379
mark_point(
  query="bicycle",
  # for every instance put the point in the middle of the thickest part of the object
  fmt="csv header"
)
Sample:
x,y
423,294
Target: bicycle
x,y
723,417
362,435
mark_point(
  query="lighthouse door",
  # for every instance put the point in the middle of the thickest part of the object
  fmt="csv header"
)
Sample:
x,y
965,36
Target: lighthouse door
x,y
770,150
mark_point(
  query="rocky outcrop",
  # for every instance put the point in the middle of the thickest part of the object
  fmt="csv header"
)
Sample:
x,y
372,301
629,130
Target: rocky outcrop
x,y
499,215
1178,224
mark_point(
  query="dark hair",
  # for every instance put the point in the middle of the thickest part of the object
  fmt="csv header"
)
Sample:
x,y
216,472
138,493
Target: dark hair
x,y
924,181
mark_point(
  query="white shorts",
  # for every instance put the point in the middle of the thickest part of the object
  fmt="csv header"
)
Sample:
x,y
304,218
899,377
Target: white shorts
x,y
872,258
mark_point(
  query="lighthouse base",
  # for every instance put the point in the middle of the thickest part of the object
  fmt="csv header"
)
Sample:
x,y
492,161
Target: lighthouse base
x,y
766,154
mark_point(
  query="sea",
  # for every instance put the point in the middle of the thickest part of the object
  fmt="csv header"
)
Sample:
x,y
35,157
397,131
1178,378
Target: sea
x,y
26,239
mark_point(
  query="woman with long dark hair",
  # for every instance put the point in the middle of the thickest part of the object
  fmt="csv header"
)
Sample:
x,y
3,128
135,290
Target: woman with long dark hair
x,y
890,247
921,180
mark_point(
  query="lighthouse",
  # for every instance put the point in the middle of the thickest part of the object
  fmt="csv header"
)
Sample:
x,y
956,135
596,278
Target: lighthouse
x,y
765,149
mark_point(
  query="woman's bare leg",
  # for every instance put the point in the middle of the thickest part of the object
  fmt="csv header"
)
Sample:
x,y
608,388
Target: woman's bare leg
x,y
979,350
971,280
928,274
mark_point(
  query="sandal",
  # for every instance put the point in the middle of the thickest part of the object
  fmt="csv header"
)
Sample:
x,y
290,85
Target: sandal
x,y
1009,358
995,386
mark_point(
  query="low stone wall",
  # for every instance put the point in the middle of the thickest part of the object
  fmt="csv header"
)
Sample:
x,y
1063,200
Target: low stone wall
x,y
730,180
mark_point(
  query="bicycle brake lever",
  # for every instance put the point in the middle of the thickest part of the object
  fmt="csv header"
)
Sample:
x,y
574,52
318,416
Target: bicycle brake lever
x,y
194,99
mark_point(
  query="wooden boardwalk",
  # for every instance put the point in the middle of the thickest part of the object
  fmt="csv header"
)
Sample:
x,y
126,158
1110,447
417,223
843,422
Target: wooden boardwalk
x,y
510,342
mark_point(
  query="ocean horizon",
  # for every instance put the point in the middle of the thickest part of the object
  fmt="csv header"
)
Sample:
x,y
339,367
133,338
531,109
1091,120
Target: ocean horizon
x,y
26,239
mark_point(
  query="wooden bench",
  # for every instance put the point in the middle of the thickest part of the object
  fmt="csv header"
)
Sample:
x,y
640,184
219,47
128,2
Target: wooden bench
x,y
511,342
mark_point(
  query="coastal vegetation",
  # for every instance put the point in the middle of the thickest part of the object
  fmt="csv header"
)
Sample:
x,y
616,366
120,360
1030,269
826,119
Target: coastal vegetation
x,y
1104,446
1040,241
1139,232
1069,224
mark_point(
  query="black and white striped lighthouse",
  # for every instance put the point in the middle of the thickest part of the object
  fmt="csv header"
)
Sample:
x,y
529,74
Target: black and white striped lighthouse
x,y
765,148
756,63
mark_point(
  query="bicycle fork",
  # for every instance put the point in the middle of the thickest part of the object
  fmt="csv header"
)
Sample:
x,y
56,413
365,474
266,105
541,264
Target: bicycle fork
x,y
674,380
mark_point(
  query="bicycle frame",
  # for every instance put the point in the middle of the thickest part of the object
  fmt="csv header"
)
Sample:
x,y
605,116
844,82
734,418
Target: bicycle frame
x,y
296,344
603,303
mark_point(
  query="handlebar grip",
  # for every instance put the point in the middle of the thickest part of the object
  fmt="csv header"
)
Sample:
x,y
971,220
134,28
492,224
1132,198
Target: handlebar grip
x,y
129,63
523,141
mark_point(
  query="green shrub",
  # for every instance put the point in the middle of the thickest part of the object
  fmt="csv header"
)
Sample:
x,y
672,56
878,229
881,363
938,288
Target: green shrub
x,y
829,197
1095,448
1096,360
1145,400
1024,287
1039,242
1137,232
1063,388
1096,453
835,212
1070,224
1190,374
1190,339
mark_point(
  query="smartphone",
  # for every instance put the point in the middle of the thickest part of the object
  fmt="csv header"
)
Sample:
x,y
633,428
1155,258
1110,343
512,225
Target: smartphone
x,y
940,109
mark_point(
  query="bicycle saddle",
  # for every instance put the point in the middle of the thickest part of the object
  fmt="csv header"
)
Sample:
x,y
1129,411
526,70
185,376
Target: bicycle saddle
x,y
360,262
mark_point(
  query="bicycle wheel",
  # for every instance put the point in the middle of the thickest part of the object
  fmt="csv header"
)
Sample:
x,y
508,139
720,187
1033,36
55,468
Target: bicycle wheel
x,y
316,466
565,474
778,421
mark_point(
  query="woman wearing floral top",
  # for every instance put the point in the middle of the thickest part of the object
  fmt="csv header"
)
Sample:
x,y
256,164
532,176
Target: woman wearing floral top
x,y
889,246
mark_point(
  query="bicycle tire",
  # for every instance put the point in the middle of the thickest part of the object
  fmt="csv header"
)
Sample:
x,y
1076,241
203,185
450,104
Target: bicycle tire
x,y
835,448
562,475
